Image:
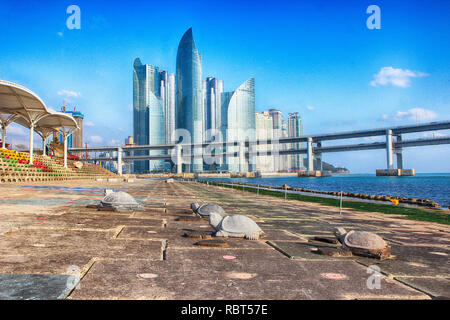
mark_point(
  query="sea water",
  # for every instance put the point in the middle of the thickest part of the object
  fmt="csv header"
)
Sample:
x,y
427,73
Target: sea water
x,y
432,186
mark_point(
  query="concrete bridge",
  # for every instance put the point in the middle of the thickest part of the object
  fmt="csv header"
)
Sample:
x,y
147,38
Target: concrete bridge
x,y
394,144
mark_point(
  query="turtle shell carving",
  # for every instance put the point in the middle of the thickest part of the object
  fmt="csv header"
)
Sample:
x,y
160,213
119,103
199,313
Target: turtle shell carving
x,y
237,226
363,243
364,240
205,210
119,200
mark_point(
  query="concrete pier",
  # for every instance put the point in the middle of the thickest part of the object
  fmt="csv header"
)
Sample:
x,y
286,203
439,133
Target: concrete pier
x,y
390,151
395,172
314,174
146,255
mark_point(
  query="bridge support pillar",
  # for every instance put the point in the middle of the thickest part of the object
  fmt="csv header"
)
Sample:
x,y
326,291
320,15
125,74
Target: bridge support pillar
x,y
119,160
389,149
319,157
310,157
398,154
178,159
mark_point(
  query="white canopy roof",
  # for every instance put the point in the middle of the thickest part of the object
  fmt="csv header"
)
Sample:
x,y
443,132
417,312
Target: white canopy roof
x,y
21,105
54,121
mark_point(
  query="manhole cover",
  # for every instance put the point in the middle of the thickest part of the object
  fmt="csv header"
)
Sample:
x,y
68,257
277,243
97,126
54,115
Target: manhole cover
x,y
333,252
240,275
439,253
334,276
107,209
198,234
420,265
148,275
212,243
326,239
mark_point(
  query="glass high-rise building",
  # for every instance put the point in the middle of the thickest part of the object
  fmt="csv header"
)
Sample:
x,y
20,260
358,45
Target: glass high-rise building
x,y
264,131
170,108
189,95
150,100
277,119
213,89
213,93
295,130
238,122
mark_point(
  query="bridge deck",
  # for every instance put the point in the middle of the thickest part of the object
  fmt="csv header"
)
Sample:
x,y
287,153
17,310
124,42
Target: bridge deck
x,y
431,126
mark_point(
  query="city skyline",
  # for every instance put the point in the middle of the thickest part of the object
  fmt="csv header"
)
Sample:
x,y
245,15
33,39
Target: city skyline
x,y
398,78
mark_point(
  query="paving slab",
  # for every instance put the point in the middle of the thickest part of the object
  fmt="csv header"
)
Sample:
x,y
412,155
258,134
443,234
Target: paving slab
x,y
36,286
418,261
304,250
55,250
435,287
143,254
218,273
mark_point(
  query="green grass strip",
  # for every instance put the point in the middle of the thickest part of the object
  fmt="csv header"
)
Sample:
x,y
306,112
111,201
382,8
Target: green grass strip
x,y
409,213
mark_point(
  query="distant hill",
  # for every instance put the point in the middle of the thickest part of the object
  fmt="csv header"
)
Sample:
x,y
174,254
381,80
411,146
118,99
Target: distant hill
x,y
327,166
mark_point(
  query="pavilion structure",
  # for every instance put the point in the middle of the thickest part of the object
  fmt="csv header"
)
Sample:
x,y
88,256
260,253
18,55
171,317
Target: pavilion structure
x,y
22,106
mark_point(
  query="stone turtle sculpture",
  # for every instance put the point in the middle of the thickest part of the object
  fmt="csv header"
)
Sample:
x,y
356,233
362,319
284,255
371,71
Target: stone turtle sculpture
x,y
237,226
118,200
204,211
363,243
78,164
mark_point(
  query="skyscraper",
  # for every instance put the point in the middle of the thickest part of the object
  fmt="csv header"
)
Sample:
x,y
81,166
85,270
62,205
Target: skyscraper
x,y
213,93
149,109
189,95
170,108
264,131
213,89
295,130
75,140
238,122
277,118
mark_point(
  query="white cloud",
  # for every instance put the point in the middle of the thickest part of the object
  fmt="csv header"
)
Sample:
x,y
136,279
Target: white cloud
x,y
60,34
310,108
95,139
89,124
69,93
396,77
415,114
114,142
18,131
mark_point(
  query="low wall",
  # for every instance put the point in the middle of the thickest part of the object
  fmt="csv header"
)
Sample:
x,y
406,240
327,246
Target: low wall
x,y
395,172
314,173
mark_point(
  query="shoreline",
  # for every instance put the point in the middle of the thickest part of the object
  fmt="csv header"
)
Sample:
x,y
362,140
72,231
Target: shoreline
x,y
423,190
414,211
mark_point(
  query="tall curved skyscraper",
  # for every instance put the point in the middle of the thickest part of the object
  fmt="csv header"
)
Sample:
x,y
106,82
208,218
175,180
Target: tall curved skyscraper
x,y
189,94
238,122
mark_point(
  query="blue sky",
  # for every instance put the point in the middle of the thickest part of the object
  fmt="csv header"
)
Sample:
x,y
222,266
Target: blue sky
x,y
317,58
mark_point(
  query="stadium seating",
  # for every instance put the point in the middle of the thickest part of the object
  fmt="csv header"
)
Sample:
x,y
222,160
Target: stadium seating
x,y
15,167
